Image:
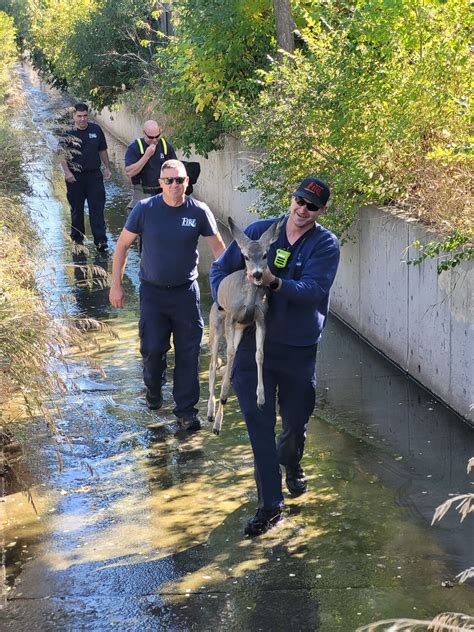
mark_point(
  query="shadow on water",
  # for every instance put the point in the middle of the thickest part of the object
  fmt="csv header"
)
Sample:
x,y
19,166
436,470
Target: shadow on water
x,y
149,534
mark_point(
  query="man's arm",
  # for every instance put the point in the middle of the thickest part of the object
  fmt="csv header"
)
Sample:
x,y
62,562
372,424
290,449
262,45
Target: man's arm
x,y
216,244
104,156
317,276
230,261
68,174
135,167
116,295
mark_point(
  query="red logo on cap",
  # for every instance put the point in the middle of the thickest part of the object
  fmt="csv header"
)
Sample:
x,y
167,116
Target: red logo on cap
x,y
315,188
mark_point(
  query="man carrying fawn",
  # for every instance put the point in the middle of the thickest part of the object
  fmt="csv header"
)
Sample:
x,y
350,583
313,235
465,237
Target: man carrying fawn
x,y
302,266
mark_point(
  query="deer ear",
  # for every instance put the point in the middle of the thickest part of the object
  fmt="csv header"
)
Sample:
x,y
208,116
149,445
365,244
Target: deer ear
x,y
271,234
239,236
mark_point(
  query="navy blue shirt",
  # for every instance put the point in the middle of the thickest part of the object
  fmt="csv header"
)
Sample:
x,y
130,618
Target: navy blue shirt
x,y
170,238
298,310
84,156
148,176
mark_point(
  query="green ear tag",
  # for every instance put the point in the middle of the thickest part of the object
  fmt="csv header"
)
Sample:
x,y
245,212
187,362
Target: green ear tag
x,y
281,258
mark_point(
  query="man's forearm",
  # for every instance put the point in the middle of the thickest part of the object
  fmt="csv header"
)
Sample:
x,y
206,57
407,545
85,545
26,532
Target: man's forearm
x,y
119,263
133,170
63,163
104,156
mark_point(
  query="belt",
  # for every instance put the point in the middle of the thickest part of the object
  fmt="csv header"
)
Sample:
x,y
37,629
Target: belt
x,y
168,287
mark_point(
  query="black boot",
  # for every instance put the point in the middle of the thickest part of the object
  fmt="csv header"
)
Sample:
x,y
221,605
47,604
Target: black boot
x,y
154,402
189,422
296,480
263,520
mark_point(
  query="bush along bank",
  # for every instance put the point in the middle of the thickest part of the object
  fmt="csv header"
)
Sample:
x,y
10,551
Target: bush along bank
x,y
34,334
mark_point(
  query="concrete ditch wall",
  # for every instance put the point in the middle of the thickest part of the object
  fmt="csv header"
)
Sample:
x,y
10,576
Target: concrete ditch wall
x,y
422,321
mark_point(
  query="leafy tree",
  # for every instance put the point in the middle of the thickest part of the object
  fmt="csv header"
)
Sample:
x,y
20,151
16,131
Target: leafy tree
x,y
96,48
112,48
375,96
375,90
209,66
18,10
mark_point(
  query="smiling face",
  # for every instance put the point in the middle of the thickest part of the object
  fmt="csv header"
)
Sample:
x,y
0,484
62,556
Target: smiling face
x,y
301,218
173,191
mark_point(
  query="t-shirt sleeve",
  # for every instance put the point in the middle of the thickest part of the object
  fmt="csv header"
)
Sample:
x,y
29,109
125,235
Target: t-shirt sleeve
x,y
102,141
208,224
131,155
136,218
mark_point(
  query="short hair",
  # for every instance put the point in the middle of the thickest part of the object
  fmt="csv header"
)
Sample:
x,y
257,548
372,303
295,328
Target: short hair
x,y
81,107
171,164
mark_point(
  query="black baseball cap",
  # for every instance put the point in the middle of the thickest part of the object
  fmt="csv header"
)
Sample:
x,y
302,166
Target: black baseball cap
x,y
314,190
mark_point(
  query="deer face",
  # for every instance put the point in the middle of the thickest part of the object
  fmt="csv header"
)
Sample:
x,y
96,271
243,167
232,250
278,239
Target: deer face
x,y
255,261
255,252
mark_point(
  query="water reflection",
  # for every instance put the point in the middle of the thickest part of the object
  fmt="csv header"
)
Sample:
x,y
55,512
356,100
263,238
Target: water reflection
x,y
91,283
422,447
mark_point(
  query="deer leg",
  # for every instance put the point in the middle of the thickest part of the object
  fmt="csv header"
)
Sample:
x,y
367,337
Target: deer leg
x,y
233,337
259,340
216,330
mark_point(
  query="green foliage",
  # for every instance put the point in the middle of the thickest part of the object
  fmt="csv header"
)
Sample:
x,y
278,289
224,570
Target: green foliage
x,y
373,88
96,48
209,66
376,98
8,50
11,174
449,252
17,10
112,49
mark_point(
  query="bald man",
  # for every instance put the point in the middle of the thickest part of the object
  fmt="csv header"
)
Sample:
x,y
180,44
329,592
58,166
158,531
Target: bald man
x,y
143,161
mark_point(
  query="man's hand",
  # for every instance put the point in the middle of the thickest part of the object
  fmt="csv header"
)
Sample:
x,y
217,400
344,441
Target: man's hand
x,y
267,278
107,174
116,296
149,151
69,176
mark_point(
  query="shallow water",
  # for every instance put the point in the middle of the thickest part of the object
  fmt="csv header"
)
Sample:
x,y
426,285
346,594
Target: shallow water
x,y
142,529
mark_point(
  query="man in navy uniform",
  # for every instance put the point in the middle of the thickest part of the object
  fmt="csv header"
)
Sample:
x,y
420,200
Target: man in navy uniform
x,y
143,160
302,266
169,225
81,152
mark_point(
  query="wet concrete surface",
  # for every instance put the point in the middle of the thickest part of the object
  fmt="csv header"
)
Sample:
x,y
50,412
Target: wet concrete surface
x,y
143,528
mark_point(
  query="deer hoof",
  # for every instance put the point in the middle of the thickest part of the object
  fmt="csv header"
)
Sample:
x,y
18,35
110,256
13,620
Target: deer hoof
x,y
224,401
216,431
210,418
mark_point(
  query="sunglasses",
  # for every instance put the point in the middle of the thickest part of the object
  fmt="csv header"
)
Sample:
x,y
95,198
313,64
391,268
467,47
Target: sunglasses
x,y
302,202
178,180
152,137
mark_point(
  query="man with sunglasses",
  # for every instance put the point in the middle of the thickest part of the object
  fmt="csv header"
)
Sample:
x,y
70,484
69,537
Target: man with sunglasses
x,y
143,161
302,265
169,225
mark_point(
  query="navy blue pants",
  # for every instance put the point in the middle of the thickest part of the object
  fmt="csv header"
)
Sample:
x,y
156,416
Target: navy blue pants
x,y
289,375
165,313
88,186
